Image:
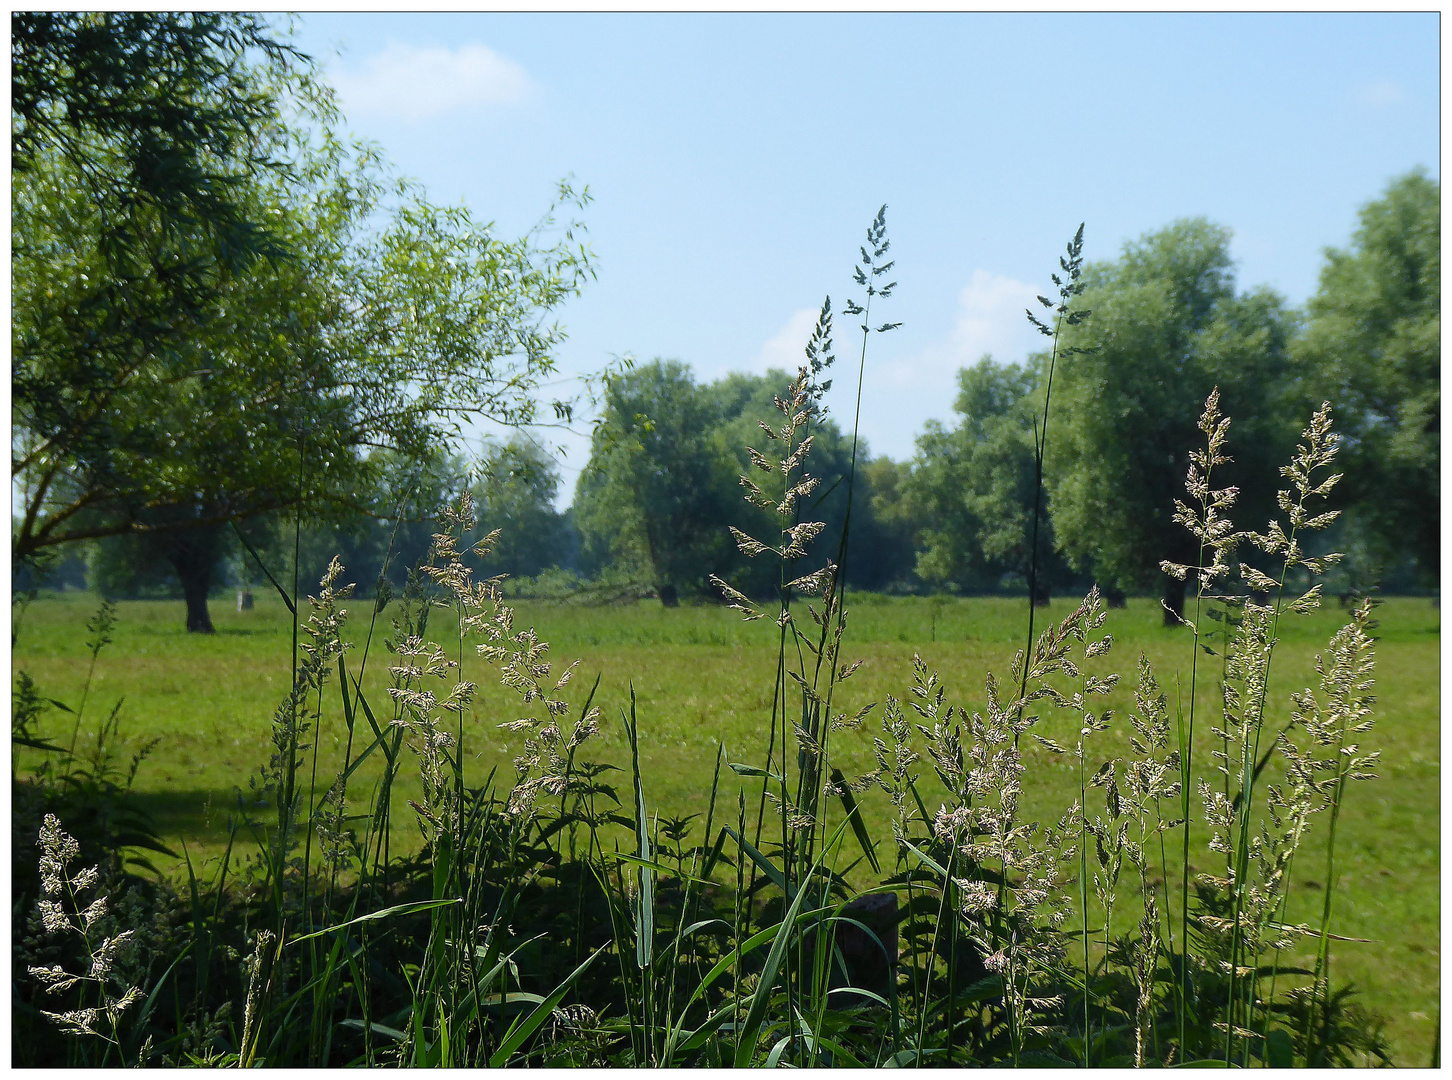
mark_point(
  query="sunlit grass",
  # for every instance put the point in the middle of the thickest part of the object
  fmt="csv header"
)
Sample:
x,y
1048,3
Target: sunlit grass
x,y
702,678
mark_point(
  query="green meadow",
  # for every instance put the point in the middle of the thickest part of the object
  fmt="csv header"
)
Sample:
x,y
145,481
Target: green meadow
x,y
702,680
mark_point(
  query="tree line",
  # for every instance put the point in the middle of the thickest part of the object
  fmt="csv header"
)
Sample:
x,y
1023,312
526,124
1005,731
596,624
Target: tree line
x,y
241,341
1168,324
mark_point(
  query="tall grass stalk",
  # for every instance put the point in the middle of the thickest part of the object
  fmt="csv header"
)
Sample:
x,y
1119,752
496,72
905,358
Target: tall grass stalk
x,y
1316,453
1346,683
1216,536
866,275
1069,286
800,812
99,627
1064,314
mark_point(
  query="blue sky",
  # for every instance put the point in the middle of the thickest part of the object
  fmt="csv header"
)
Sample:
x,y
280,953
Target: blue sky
x,y
736,160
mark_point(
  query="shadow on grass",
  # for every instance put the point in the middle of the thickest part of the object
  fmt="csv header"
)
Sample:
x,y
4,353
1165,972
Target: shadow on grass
x,y
222,632
202,815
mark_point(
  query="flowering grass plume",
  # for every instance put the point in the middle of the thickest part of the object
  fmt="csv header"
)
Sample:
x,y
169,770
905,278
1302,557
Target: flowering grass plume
x,y
102,994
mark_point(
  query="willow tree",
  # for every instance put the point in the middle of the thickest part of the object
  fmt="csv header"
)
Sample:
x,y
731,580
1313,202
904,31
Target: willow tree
x,y
220,308
1373,346
1168,327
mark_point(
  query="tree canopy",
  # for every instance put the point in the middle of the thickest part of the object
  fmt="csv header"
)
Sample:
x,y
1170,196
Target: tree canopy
x,y
972,486
136,138
234,335
651,498
1168,327
514,493
663,484
1372,347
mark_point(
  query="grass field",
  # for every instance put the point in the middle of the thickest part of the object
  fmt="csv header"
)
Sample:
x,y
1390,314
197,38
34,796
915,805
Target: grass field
x,y
703,679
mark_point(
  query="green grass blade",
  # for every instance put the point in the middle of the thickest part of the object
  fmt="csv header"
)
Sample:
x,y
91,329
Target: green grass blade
x,y
746,1044
397,909
522,1030
777,877
753,770
854,815
645,909
381,1029
656,868
715,855
928,860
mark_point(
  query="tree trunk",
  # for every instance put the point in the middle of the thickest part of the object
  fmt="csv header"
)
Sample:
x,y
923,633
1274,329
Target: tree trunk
x,y
1174,600
193,565
1113,597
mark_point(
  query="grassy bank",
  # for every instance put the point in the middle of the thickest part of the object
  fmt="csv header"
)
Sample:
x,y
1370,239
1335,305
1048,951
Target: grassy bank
x,y
702,679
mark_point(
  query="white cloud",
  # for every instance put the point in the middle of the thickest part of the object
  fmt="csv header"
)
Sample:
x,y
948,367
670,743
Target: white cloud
x,y
902,390
412,82
1376,95
785,348
990,319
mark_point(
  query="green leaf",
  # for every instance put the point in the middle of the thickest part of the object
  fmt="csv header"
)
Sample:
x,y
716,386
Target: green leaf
x,y
397,909
522,1030
854,815
380,1029
777,877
